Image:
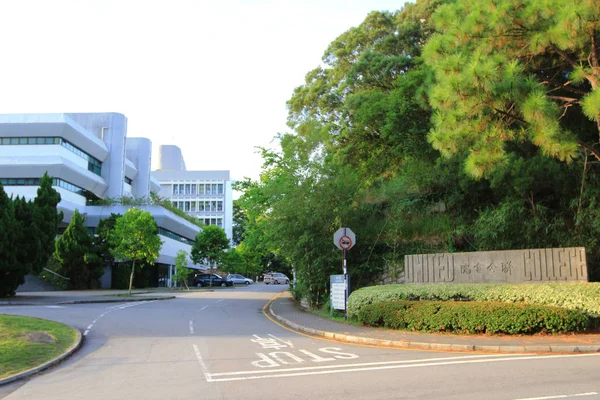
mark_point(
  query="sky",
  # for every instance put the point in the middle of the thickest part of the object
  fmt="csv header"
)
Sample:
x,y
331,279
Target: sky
x,y
211,77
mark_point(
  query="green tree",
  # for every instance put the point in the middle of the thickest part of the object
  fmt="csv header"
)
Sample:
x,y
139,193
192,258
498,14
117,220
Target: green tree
x,y
46,219
100,255
239,222
135,238
29,241
182,272
209,247
72,250
508,72
11,273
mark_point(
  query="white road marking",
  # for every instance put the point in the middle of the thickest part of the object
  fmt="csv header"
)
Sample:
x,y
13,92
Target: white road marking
x,y
191,326
289,343
111,309
202,364
54,307
203,308
354,365
344,368
561,396
220,300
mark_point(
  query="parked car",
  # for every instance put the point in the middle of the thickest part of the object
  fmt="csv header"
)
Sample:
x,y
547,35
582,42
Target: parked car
x,y
204,280
276,278
237,278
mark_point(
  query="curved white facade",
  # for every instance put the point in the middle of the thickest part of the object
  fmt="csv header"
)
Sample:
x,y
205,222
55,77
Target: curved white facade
x,y
90,158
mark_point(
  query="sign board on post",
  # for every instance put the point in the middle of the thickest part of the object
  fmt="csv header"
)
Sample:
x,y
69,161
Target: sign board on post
x,y
344,239
337,292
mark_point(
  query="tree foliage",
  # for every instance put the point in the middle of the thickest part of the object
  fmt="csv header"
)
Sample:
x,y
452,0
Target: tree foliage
x,y
135,238
182,272
46,218
72,250
512,72
11,273
209,247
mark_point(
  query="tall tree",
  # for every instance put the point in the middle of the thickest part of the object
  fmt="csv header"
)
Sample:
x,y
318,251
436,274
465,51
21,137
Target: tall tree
x,y
46,219
513,71
11,272
135,238
72,250
209,247
182,272
100,255
30,245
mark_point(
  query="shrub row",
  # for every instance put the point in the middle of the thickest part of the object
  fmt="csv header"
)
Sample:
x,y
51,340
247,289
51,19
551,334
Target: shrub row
x,y
473,317
574,296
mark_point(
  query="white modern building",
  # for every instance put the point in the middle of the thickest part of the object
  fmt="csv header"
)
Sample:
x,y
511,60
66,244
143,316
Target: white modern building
x,y
90,157
205,195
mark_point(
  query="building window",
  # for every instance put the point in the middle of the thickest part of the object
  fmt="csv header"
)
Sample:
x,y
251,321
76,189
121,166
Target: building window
x,y
173,235
214,188
201,188
220,222
220,187
194,187
187,189
181,205
174,204
175,189
193,209
187,206
213,206
94,165
181,188
55,182
219,206
128,180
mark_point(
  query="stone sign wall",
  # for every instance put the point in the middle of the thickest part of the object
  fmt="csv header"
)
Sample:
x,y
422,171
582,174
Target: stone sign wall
x,y
509,266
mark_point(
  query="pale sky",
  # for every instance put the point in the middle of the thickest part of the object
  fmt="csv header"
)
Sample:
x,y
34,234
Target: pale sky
x,y
211,77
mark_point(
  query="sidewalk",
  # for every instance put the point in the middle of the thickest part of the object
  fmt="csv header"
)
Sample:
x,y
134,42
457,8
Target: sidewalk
x,y
286,311
81,296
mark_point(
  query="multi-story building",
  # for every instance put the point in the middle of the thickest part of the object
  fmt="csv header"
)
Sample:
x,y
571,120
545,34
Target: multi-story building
x,y
205,195
89,157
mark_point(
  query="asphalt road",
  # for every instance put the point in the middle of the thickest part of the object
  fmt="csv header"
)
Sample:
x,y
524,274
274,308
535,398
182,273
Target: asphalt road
x,y
219,345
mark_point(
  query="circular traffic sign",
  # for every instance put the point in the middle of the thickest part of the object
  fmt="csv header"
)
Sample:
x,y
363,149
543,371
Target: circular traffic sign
x,y
345,242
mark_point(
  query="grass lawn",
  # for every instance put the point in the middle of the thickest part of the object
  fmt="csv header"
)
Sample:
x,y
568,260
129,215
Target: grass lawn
x,y
27,342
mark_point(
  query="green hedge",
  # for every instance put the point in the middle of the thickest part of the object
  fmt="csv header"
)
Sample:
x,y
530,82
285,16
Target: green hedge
x,y
473,317
574,296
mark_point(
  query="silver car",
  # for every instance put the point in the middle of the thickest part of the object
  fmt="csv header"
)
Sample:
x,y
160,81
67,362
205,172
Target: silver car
x,y
237,278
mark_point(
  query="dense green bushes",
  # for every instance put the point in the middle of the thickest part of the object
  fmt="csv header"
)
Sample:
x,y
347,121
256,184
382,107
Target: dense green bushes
x,y
473,317
574,296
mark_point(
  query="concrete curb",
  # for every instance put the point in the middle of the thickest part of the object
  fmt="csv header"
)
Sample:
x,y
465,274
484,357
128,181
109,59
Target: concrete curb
x,y
129,300
33,371
407,344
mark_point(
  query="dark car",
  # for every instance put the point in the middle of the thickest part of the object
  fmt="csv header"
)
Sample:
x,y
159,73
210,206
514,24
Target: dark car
x,y
204,280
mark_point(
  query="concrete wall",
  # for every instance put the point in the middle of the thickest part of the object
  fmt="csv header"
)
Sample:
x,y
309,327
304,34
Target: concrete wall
x,y
509,266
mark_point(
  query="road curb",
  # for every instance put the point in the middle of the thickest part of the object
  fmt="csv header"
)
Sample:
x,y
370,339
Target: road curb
x,y
407,344
33,371
129,300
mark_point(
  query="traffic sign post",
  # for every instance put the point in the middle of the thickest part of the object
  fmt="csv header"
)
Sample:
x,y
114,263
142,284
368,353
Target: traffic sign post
x,y
345,239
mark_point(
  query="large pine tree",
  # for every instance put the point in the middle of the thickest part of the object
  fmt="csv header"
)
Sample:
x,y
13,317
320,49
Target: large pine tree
x,y
11,273
46,219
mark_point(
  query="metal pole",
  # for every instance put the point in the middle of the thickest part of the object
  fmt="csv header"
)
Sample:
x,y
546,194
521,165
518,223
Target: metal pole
x,y
345,288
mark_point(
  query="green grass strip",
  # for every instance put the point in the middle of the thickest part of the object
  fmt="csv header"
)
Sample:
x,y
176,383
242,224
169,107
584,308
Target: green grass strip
x,y
19,353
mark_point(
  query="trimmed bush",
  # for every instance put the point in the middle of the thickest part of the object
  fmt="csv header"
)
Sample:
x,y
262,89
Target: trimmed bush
x,y
473,317
574,296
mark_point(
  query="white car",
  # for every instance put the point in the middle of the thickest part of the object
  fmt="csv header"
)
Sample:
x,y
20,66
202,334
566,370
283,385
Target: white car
x,y
276,278
237,278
